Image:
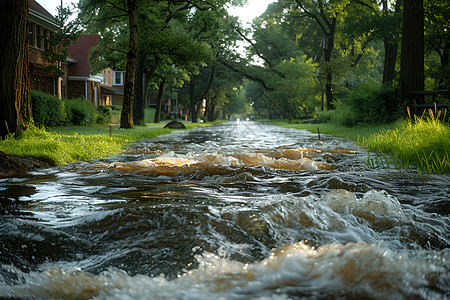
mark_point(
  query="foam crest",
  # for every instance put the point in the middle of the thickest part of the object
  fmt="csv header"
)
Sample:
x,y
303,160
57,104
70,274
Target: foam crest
x,y
211,164
258,159
290,212
333,270
374,203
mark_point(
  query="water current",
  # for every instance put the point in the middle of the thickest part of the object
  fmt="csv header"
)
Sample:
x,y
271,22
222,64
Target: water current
x,y
240,210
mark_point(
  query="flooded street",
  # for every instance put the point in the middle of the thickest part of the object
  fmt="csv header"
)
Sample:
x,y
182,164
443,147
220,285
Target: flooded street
x,y
240,210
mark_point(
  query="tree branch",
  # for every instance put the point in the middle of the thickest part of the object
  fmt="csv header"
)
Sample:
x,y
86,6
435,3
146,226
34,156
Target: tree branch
x,y
117,7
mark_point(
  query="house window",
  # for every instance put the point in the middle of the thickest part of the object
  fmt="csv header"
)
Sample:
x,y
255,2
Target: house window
x,y
30,34
109,77
37,35
118,78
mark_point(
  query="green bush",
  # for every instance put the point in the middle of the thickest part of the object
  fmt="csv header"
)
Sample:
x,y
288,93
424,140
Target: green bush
x,y
149,115
104,114
368,103
48,110
325,116
80,111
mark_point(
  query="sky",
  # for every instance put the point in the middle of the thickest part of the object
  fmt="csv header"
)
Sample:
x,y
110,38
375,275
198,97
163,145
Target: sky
x,y
246,14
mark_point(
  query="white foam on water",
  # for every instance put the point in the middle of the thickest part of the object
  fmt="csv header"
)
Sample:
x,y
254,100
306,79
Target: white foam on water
x,y
378,203
334,270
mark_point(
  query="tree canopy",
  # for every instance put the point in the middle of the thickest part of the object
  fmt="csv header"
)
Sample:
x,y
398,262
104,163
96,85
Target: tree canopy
x,y
298,58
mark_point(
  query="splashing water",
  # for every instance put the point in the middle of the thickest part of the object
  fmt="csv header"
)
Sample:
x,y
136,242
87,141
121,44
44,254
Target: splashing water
x,y
236,211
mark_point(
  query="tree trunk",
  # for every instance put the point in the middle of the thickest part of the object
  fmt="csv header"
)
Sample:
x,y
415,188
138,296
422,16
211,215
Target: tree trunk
x,y
126,118
210,110
390,58
159,100
139,103
192,100
444,62
412,56
390,48
15,114
328,49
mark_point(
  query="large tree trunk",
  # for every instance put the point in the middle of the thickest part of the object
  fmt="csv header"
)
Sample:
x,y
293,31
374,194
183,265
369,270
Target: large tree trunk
x,y
390,58
126,118
412,56
328,49
192,100
159,100
390,48
328,85
444,62
139,102
15,114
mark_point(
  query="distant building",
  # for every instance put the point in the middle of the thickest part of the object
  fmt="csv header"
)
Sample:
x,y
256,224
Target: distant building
x,y
41,25
112,87
78,81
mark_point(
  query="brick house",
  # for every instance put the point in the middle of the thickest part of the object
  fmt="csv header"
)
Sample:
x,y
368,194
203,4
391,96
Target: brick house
x,y
41,25
112,87
78,81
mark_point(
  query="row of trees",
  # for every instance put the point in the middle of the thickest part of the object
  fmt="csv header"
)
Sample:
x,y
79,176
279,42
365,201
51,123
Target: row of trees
x,y
348,43
162,44
301,55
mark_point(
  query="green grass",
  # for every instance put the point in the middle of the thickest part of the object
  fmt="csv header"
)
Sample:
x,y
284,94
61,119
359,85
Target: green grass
x,y
353,133
62,145
423,144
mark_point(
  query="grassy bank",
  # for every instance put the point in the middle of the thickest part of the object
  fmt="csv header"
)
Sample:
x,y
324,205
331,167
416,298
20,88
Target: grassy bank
x,y
423,144
353,133
62,145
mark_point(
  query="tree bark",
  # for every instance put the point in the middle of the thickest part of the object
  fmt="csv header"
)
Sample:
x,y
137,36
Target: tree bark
x,y
412,55
126,118
192,100
159,100
390,58
15,114
329,83
139,99
390,49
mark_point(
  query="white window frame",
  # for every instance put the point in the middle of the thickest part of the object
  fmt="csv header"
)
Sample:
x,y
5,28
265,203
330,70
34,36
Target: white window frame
x,y
116,74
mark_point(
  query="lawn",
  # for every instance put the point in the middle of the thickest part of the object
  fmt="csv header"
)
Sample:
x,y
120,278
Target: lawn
x,y
423,144
62,145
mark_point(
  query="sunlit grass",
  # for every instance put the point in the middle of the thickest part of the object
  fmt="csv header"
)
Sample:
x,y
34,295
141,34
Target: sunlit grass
x,y
62,145
353,133
423,144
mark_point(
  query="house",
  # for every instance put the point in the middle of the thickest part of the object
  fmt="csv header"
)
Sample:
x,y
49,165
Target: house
x,y
112,87
79,82
41,25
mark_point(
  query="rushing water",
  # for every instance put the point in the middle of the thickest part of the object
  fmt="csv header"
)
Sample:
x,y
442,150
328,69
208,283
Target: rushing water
x,y
240,210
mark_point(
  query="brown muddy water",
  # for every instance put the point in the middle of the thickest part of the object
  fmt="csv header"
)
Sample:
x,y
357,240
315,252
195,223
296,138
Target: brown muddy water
x,y
240,210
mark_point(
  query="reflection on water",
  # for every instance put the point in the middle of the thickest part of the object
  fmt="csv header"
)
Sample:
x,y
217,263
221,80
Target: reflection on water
x,y
235,211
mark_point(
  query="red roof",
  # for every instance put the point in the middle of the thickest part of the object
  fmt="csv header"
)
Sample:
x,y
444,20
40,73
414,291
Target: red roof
x,y
80,51
33,5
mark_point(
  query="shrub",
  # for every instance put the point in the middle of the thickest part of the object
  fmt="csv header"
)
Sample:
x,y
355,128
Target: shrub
x,y
104,114
367,104
48,110
325,116
80,111
149,115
